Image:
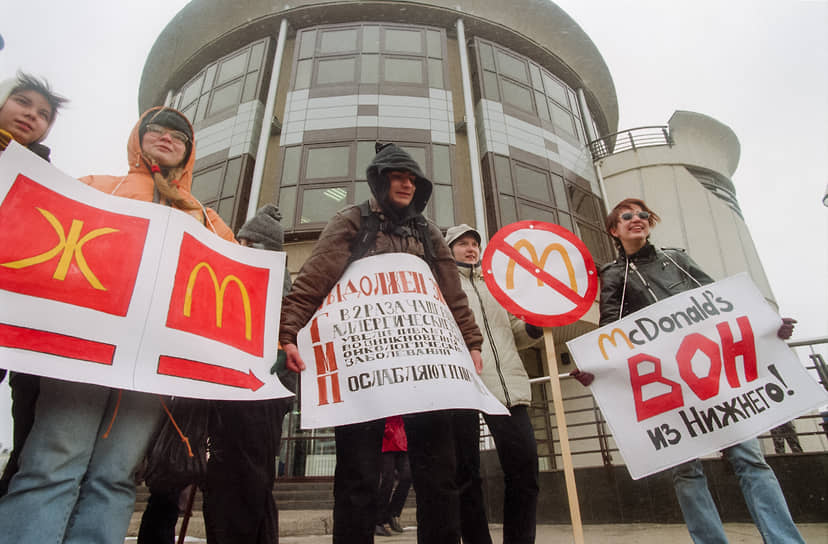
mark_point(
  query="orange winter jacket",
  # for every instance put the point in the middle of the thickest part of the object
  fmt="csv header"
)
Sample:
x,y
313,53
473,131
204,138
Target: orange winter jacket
x,y
138,183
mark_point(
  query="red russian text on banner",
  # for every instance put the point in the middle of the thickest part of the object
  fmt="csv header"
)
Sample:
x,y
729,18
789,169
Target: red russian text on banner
x,y
540,272
219,298
56,248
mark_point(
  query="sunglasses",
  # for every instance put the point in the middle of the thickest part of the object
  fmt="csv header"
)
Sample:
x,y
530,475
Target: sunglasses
x,y
626,216
176,135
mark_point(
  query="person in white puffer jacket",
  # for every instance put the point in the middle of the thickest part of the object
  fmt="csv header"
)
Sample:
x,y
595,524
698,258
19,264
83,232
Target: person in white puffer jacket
x,y
504,375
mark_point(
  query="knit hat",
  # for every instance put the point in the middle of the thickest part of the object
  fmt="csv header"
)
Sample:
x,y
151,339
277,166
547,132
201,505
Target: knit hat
x,y
453,233
265,228
171,119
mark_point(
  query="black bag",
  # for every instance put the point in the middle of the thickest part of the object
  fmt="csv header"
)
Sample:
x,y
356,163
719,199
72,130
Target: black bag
x,y
177,455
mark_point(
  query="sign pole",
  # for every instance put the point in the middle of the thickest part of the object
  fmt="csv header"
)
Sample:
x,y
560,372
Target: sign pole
x,y
563,434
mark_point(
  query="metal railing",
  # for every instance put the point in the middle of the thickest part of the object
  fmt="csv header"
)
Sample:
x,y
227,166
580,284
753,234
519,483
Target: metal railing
x,y
630,139
310,453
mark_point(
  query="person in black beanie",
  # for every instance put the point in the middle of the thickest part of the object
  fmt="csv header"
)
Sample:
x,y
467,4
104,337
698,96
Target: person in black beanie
x,y
245,435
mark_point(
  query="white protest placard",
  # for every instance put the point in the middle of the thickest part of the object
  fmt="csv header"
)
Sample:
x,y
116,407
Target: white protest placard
x,y
540,272
116,292
693,374
385,343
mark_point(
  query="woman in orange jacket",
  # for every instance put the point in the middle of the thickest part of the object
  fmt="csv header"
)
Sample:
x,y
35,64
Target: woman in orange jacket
x,y
75,483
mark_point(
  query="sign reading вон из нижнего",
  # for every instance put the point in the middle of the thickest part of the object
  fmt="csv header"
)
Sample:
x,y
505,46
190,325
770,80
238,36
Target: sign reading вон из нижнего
x,y
693,374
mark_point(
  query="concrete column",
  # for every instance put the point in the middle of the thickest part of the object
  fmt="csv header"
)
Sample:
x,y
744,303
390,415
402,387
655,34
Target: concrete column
x,y
267,117
471,133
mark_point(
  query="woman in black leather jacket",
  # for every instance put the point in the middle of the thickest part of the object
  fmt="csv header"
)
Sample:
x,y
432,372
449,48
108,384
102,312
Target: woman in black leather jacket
x,y
643,275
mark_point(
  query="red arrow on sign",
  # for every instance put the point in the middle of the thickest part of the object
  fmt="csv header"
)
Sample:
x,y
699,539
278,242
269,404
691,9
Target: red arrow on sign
x,y
195,370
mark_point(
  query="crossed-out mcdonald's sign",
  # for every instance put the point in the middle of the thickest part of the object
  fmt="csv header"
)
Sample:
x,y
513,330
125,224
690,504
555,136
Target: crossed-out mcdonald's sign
x,y
56,248
540,272
218,298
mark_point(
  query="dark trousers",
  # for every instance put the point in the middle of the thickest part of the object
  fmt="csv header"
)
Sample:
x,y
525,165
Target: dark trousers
x,y
785,433
238,495
518,455
392,499
159,518
25,389
433,468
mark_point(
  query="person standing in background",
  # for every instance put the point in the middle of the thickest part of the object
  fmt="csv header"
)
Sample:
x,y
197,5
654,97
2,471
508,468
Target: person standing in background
x,y
504,375
391,500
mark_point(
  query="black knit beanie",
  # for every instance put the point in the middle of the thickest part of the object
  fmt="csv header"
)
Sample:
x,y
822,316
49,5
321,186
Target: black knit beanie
x,y
170,119
265,228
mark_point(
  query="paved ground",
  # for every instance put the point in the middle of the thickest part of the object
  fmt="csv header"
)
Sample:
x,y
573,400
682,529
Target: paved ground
x,y
314,526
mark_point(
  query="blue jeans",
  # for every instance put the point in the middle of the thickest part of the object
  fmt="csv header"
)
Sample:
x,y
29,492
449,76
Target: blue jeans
x,y
74,486
760,489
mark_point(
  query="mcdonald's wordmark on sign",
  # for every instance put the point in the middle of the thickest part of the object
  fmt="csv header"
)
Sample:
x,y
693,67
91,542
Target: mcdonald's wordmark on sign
x,y
540,272
219,298
56,248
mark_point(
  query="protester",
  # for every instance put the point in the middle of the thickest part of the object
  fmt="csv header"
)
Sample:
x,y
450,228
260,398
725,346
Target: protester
x,y
245,436
643,275
28,110
785,433
395,467
76,479
400,194
504,375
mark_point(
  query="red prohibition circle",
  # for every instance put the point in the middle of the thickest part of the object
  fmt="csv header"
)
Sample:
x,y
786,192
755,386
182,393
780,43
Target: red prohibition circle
x,y
582,303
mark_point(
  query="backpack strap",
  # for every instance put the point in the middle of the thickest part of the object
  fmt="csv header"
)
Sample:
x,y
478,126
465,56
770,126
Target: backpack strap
x,y
369,226
425,237
367,233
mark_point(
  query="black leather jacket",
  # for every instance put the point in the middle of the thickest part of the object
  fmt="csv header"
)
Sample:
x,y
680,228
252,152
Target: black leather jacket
x,y
645,277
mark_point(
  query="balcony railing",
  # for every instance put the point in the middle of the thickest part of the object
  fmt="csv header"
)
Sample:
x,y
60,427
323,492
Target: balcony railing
x,y
310,453
630,139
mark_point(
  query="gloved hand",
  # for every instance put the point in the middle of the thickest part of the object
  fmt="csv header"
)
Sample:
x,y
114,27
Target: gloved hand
x,y
584,377
534,331
786,329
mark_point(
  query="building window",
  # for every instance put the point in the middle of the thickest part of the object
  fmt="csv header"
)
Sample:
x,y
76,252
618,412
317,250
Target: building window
x,y
530,89
526,192
217,186
396,55
320,179
224,84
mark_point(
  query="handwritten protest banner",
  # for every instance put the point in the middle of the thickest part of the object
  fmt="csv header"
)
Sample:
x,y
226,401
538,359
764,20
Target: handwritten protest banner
x,y
385,343
693,374
107,290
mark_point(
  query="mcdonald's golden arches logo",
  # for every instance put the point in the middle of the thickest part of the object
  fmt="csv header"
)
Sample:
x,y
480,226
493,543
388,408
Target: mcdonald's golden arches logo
x,y
611,339
218,298
540,272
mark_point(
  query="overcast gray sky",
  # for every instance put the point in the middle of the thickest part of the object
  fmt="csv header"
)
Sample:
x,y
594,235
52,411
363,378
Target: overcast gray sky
x,y
758,66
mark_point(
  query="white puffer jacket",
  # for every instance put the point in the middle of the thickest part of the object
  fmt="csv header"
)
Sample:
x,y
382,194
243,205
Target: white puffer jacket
x,y
503,334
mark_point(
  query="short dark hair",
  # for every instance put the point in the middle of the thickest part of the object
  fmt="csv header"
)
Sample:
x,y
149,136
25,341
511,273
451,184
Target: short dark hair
x,y
28,82
613,217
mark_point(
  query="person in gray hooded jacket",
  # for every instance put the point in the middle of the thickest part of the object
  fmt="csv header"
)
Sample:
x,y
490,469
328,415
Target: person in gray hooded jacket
x,y
504,375
642,275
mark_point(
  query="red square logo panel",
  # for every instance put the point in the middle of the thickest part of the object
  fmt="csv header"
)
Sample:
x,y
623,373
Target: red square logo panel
x,y
219,298
56,248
